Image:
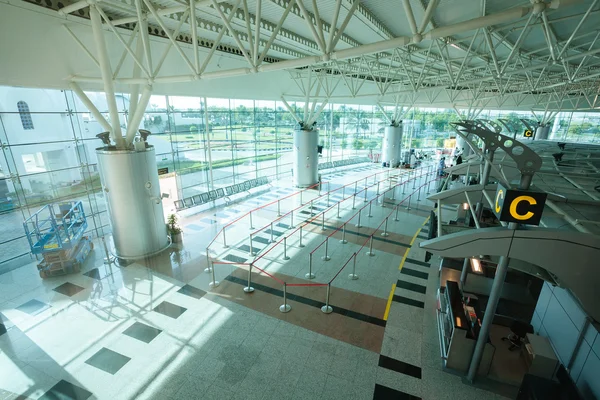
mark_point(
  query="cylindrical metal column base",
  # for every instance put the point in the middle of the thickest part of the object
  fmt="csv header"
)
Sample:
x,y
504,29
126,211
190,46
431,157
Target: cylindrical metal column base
x,y
306,157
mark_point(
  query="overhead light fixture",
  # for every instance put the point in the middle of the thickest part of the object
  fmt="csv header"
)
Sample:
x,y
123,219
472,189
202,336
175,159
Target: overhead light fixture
x,y
465,206
476,266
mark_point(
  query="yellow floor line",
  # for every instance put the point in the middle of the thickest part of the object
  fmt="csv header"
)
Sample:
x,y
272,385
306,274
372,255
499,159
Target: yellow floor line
x,y
389,302
403,259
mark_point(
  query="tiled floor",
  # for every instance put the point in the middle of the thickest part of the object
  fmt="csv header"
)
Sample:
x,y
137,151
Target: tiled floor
x,y
156,329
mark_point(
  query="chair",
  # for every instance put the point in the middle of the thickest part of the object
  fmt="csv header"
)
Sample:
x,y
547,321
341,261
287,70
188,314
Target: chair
x,y
519,330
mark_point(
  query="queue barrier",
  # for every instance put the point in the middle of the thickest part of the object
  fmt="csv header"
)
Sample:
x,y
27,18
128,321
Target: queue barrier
x,y
213,195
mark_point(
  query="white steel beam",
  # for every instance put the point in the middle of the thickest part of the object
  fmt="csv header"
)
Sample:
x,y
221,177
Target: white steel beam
x,y
233,33
428,15
90,106
136,118
581,21
107,77
310,24
410,16
194,24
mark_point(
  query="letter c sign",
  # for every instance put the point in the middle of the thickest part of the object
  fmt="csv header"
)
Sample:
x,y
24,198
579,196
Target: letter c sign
x,y
519,206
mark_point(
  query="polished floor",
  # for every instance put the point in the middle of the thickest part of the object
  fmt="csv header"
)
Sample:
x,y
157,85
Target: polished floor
x,y
158,329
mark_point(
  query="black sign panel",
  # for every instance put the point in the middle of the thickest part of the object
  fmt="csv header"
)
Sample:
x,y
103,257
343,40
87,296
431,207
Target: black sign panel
x,y
163,171
519,206
528,133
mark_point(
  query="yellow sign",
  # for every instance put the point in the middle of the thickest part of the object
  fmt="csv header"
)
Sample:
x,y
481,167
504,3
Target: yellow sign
x,y
499,197
528,133
513,208
51,246
519,206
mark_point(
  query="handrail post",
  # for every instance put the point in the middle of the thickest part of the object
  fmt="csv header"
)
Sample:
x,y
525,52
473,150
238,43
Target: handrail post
x,y
327,308
285,256
370,252
343,241
385,232
370,207
310,274
249,288
300,245
285,307
359,225
251,227
224,239
214,282
271,230
326,256
353,275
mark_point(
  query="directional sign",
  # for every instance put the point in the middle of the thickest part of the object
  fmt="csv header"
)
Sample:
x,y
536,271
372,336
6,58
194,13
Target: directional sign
x,y
528,133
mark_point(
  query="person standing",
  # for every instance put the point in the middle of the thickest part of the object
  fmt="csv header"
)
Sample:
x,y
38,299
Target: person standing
x,y
441,166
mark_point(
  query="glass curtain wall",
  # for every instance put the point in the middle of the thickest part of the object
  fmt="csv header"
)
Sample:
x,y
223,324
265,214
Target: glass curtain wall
x,y
48,141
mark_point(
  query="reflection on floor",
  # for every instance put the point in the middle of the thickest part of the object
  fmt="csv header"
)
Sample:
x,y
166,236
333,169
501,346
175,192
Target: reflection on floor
x,y
156,329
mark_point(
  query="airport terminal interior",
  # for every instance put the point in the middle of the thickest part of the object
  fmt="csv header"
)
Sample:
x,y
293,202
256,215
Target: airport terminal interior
x,y
300,199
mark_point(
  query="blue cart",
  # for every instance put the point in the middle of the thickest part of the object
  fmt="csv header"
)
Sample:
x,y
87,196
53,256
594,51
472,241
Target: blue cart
x,y
56,232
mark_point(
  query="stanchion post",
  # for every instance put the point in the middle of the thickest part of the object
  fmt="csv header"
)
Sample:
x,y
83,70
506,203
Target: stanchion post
x,y
338,209
310,274
385,226
355,187
396,217
224,238
249,288
327,308
359,225
300,245
326,256
344,192
214,282
292,219
285,256
343,241
370,208
414,180
251,226
271,230
251,247
279,208
207,269
408,206
323,222
428,185
328,198
353,275
354,201
370,252
285,307
378,188
419,195
311,208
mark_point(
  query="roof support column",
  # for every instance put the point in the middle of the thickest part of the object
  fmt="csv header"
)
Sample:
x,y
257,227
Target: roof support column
x,y
492,305
107,76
